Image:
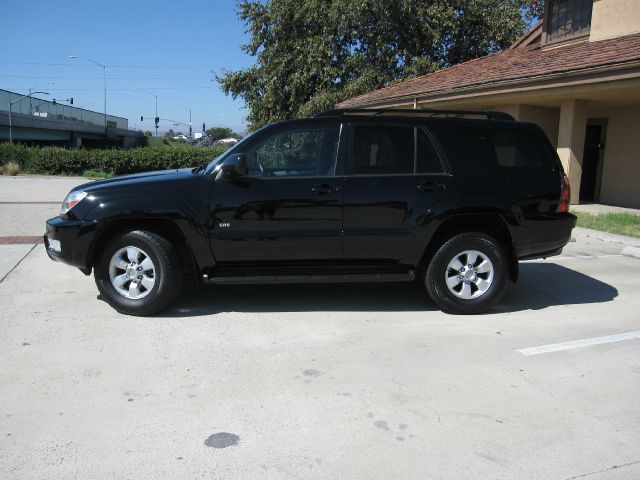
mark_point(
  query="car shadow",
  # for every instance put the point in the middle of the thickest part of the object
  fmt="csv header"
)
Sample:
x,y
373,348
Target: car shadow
x,y
541,285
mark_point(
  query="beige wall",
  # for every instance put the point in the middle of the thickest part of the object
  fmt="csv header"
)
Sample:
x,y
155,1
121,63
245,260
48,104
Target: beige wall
x,y
547,118
614,18
620,183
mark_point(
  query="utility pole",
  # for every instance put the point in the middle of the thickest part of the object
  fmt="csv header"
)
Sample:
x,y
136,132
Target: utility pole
x,y
186,108
156,119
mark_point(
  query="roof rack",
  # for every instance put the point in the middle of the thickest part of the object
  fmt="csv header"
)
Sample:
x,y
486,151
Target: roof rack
x,y
382,112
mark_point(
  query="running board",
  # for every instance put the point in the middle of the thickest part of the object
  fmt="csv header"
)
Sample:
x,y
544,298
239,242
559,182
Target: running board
x,y
309,278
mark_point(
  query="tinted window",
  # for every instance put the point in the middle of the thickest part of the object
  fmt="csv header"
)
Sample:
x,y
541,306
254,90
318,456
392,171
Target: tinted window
x,y
473,147
485,148
383,150
517,148
300,152
427,156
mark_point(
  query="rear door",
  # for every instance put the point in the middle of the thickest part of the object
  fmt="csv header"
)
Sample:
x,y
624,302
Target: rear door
x,y
395,176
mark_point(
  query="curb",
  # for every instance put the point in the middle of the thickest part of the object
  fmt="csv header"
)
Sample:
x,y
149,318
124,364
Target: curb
x,y
631,252
608,237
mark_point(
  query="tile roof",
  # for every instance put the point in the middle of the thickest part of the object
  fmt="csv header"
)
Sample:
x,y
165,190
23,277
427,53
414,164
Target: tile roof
x,y
510,65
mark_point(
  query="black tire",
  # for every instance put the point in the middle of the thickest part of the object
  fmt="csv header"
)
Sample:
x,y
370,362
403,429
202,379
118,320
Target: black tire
x,y
438,270
168,275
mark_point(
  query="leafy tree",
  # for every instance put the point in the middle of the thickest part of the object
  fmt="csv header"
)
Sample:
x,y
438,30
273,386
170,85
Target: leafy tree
x,y
312,54
217,133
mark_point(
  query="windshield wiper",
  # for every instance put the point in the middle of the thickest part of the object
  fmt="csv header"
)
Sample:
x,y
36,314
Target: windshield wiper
x,y
197,170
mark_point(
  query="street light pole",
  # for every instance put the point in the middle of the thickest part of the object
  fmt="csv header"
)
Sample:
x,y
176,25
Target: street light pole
x,y
33,88
104,73
10,111
186,108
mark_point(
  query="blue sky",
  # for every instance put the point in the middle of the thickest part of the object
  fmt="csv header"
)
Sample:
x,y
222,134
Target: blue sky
x,y
168,48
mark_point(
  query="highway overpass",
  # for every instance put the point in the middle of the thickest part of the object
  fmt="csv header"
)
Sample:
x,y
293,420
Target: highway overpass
x,y
43,122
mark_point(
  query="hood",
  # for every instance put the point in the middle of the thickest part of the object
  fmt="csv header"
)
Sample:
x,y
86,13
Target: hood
x,y
136,179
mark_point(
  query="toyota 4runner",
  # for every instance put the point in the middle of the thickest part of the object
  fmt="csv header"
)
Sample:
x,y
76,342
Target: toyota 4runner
x,y
452,199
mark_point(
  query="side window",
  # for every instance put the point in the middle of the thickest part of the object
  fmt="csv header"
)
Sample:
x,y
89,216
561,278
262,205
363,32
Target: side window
x,y
517,149
484,148
474,148
428,160
383,150
295,153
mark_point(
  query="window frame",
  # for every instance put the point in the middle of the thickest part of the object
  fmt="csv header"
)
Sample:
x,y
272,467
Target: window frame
x,y
349,170
293,126
546,25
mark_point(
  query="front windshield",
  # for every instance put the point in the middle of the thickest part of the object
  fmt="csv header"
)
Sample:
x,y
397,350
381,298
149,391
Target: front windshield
x,y
217,162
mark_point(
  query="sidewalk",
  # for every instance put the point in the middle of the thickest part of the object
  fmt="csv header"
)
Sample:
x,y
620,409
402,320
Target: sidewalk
x,y
631,246
599,208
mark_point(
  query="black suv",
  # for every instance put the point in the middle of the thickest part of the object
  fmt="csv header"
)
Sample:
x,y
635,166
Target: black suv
x,y
453,199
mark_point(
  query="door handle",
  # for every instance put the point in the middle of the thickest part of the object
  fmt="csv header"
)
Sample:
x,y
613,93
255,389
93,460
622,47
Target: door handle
x,y
431,186
324,189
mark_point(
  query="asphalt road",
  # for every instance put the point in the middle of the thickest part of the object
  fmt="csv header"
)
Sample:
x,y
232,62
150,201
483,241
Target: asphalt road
x,y
350,381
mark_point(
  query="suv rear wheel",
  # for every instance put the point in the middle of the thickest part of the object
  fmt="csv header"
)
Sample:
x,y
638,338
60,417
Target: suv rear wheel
x,y
468,274
139,273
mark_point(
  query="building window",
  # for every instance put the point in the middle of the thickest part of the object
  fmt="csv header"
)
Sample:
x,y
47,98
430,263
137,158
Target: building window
x,y
568,18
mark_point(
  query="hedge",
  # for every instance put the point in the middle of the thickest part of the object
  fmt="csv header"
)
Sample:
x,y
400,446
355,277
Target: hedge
x,y
62,161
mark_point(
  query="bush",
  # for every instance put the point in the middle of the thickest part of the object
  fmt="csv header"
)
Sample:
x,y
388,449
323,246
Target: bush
x,y
95,174
62,161
11,168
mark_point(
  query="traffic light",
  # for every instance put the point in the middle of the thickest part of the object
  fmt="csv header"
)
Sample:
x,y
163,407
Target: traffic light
x,y
157,119
141,118
70,100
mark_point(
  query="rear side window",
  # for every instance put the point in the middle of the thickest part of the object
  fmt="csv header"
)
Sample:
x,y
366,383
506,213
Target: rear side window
x,y
383,149
484,148
517,149
427,158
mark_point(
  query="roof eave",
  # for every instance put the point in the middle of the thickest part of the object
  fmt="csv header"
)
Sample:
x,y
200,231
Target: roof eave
x,y
478,89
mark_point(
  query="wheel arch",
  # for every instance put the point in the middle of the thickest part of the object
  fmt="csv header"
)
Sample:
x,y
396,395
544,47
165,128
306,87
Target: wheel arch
x,y
160,226
490,223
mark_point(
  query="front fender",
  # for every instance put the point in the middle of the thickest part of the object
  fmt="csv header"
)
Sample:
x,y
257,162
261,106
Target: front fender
x,y
190,219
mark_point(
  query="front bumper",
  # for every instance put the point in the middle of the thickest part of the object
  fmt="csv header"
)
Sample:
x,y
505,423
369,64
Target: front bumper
x,y
70,241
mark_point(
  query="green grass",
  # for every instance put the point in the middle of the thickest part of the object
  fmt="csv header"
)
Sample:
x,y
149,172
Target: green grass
x,y
619,223
96,174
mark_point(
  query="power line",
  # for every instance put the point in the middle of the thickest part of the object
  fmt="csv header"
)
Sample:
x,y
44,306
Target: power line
x,y
114,89
109,66
100,78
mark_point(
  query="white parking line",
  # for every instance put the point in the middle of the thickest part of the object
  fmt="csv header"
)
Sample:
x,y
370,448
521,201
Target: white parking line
x,y
555,347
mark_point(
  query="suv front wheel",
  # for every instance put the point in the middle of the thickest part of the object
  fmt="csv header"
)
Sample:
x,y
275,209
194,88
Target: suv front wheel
x,y
139,273
468,274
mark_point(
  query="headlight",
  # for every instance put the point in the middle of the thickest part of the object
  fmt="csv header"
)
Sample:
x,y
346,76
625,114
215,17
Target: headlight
x,y
71,201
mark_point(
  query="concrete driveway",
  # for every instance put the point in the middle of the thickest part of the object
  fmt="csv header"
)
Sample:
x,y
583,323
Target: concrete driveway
x,y
353,382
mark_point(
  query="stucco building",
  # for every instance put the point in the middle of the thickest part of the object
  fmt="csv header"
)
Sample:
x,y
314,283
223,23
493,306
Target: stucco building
x,y
576,74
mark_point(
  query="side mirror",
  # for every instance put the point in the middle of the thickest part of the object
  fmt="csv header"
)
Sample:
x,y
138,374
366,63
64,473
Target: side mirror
x,y
233,167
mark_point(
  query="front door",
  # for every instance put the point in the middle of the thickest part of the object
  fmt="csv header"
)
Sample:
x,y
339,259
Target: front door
x,y
289,205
